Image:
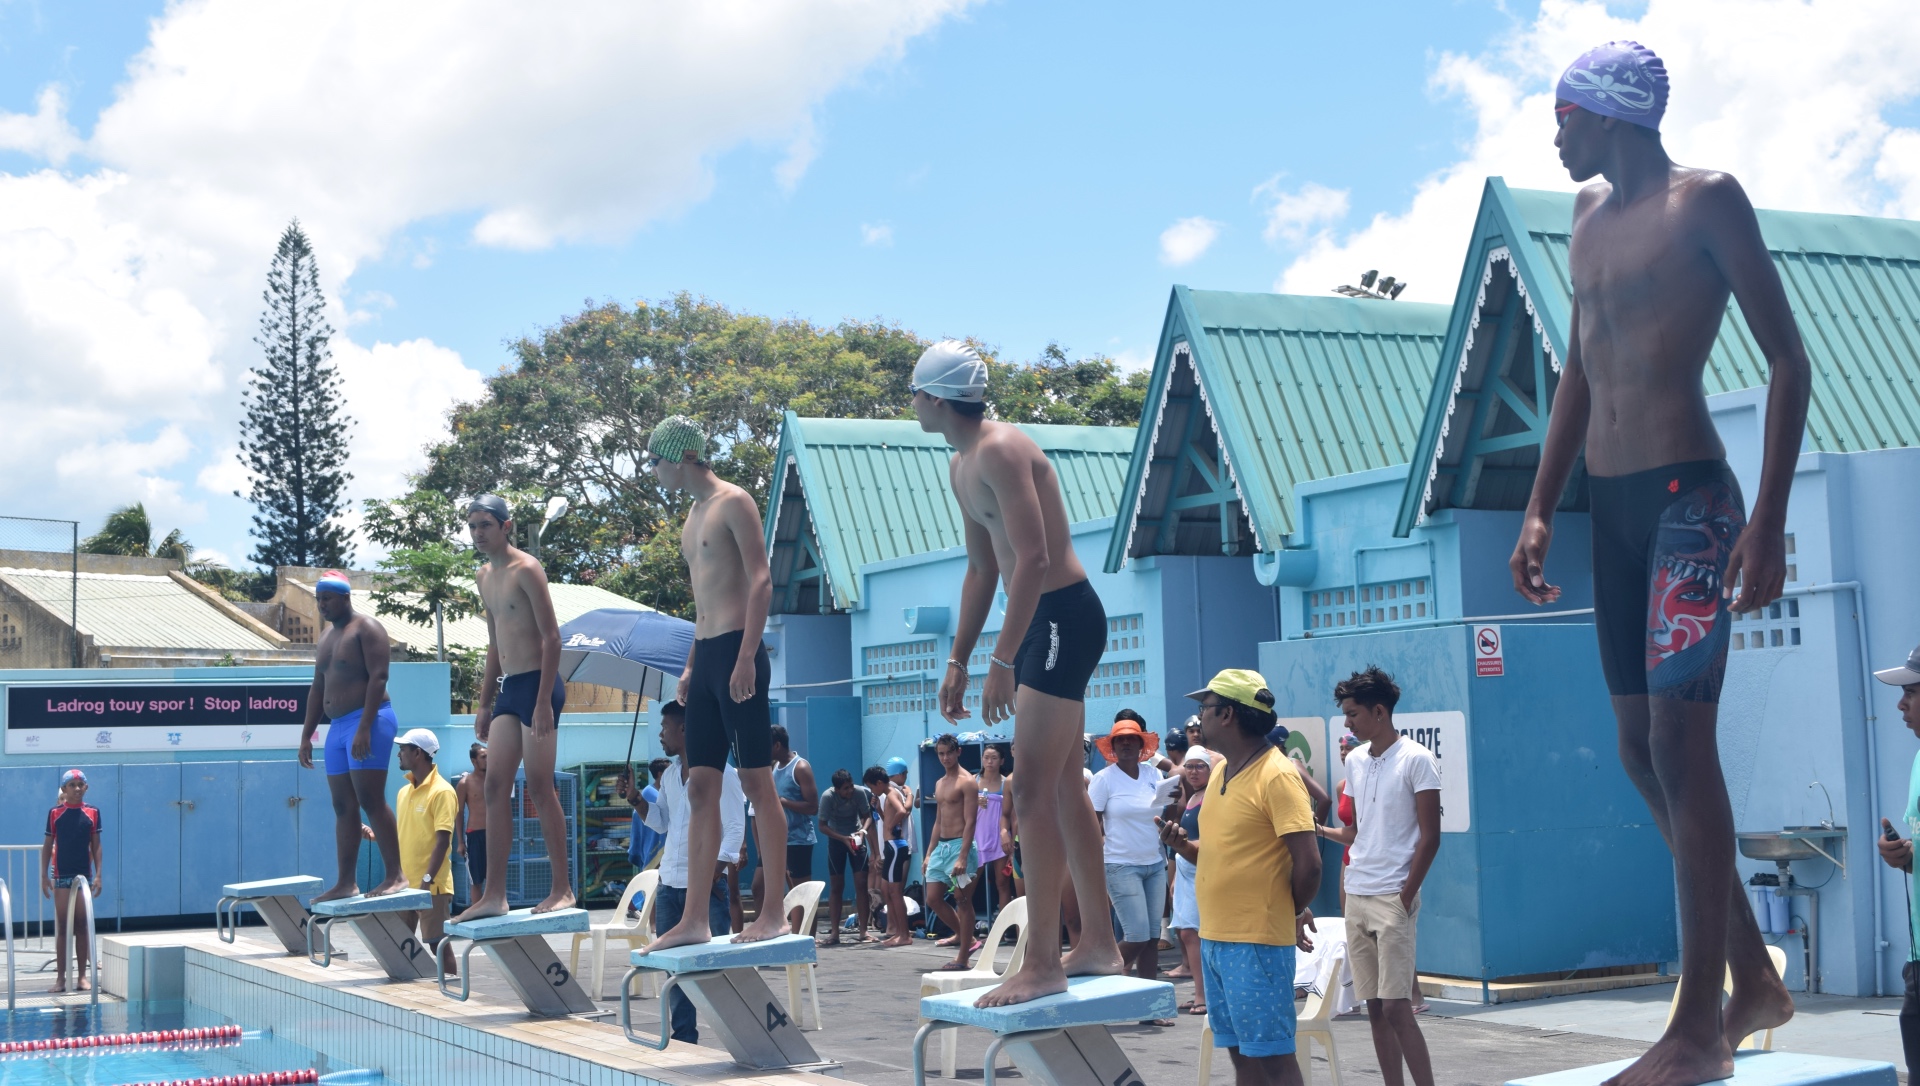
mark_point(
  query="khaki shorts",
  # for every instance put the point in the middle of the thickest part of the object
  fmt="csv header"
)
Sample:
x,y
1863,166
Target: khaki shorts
x,y
1380,944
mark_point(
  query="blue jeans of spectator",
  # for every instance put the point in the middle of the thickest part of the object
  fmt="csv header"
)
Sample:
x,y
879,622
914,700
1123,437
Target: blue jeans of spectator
x,y
1138,893
667,910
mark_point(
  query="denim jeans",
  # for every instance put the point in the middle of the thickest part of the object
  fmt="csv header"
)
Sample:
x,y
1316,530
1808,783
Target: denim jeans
x,y
1138,893
667,910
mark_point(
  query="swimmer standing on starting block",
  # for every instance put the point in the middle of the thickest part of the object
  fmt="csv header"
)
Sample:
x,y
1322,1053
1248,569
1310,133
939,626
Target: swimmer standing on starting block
x,y
724,686
1657,250
1052,634
350,685
521,696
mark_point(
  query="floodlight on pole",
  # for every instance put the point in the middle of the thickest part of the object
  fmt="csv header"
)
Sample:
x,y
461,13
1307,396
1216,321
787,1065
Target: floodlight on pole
x,y
557,507
1372,287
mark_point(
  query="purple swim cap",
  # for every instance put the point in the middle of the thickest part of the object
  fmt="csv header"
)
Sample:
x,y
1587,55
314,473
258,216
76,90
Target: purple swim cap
x,y
1621,79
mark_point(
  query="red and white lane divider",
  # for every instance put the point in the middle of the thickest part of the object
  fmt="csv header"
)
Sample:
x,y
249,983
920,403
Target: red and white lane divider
x,y
257,1078
199,1035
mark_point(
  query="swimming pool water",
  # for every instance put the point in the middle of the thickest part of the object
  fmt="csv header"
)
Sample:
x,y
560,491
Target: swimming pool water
x,y
108,1067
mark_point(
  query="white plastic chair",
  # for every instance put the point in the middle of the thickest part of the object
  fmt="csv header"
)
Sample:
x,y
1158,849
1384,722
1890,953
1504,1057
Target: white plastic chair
x,y
1314,1024
806,898
1756,1042
635,933
982,975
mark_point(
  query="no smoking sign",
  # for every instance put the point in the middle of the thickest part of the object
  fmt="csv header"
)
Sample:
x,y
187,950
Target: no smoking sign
x,y
1489,654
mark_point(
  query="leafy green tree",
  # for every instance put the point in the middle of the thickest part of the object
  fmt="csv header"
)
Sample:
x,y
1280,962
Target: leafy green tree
x,y
294,437
127,531
572,417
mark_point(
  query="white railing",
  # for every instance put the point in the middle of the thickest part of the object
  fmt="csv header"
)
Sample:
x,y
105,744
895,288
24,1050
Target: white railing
x,y
6,919
20,866
82,898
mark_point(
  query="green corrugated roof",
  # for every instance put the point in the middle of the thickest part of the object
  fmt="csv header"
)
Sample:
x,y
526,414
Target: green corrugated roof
x,y
1853,282
862,490
1290,388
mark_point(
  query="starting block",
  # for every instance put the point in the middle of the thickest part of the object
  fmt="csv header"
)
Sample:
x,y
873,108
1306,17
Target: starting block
x,y
517,944
721,978
1058,1040
376,921
278,903
1750,1069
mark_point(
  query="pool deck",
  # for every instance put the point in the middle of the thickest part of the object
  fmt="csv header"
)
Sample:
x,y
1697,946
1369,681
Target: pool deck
x,y
868,1000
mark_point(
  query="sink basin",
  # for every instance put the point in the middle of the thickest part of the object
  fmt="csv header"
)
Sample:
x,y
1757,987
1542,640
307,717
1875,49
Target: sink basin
x,y
1789,844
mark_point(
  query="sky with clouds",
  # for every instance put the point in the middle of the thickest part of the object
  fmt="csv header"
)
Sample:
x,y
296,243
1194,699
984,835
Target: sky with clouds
x,y
1019,172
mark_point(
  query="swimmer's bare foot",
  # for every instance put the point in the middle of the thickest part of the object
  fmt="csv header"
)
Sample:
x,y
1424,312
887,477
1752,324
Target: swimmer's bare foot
x,y
339,891
1089,960
80,983
768,925
1678,1060
489,905
394,884
561,898
1029,984
898,941
59,985
686,933
1757,1004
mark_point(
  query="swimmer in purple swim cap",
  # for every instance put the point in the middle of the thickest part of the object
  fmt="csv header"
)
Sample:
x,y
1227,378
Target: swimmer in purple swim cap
x,y
1657,250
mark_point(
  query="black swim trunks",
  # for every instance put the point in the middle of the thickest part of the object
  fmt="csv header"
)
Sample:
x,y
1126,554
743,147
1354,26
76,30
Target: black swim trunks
x,y
717,723
1063,643
1661,539
517,694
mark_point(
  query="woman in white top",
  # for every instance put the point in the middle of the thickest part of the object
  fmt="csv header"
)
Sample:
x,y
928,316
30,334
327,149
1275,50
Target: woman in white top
x,y
1123,797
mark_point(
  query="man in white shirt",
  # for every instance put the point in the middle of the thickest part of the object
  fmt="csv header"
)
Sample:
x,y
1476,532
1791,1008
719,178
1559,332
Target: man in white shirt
x,y
1395,785
671,816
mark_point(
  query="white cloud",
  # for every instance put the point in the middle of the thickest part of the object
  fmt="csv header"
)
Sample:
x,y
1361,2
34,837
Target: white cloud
x,y
880,234
1293,216
1806,135
1187,239
129,294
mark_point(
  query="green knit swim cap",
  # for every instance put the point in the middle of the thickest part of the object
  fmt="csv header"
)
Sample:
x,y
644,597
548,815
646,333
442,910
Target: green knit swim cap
x,y
676,436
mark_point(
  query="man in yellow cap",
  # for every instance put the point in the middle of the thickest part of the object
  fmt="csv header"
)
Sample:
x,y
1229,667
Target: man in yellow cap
x,y
1260,866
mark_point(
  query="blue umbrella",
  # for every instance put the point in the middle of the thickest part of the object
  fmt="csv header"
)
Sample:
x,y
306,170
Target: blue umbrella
x,y
631,650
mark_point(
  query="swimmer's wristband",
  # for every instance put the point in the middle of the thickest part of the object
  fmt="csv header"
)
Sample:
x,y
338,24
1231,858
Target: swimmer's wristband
x,y
997,662
951,662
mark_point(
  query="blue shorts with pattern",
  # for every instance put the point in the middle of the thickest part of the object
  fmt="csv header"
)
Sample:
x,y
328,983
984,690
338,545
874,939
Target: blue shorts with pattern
x,y
1249,996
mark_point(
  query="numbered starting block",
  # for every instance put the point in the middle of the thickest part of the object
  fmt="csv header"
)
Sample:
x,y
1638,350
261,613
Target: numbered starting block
x,y
377,922
722,979
517,944
1058,1040
278,903
1750,1069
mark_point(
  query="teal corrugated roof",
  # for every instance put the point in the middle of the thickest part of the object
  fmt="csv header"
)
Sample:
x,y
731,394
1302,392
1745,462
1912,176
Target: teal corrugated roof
x,y
861,491
1853,282
1282,388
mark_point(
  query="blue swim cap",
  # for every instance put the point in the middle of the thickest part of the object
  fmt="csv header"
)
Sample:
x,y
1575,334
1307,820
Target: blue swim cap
x,y
333,581
896,765
1621,79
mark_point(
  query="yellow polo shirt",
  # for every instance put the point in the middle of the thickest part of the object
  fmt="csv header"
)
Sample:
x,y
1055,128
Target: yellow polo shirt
x,y
422,810
1244,880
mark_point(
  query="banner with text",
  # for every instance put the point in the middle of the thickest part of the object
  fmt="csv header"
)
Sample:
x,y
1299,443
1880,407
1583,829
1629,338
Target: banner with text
x,y
64,718
1445,736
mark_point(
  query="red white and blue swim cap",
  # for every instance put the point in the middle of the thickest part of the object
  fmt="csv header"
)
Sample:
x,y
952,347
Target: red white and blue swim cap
x,y
334,581
1621,79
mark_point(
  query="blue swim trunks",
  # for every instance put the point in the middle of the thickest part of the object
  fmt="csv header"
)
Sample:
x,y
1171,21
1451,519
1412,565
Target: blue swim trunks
x,y
342,729
1249,996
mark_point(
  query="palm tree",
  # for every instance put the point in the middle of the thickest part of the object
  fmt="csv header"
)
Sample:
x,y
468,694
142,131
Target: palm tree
x,y
127,531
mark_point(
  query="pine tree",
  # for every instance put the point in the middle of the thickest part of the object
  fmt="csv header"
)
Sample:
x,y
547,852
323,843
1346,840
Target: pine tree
x,y
294,438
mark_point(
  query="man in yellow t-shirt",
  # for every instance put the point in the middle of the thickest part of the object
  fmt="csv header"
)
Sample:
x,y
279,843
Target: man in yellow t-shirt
x,y
426,808
1256,856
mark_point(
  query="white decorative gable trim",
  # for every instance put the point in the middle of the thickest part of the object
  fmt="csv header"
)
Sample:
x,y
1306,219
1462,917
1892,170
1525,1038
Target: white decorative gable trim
x,y
1183,353
1499,255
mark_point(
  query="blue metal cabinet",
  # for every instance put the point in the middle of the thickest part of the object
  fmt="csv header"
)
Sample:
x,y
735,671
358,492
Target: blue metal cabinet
x,y
269,804
148,841
209,832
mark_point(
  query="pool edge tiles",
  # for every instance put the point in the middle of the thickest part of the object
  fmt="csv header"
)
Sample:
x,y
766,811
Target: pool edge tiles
x,y
411,1033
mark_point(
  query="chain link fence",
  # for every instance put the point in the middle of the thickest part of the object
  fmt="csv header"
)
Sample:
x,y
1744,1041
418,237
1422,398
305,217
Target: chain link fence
x,y
38,543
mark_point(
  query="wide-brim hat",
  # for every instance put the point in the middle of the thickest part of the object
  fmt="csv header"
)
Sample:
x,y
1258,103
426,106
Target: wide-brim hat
x,y
1150,743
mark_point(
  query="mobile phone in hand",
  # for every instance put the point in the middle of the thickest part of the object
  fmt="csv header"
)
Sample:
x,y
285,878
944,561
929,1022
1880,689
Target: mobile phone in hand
x,y
1891,834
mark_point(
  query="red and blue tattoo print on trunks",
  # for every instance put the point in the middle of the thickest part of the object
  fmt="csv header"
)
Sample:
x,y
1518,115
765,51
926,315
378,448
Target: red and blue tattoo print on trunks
x,y
1687,615
1661,540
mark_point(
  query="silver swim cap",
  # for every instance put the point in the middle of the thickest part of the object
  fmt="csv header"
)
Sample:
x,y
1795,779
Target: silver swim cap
x,y
951,370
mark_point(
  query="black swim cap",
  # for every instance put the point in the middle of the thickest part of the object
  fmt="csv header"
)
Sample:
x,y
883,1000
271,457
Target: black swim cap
x,y
492,504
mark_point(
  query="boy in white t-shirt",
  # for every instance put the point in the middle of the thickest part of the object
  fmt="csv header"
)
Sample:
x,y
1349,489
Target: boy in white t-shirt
x,y
1395,786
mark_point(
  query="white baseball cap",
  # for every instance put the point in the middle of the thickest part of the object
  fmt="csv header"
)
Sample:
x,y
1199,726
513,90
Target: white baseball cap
x,y
422,738
1902,676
